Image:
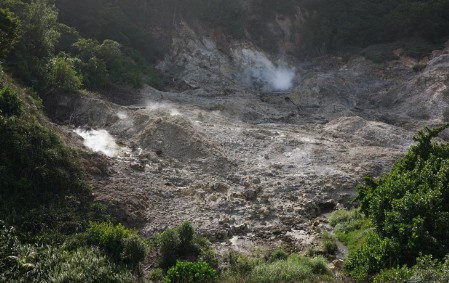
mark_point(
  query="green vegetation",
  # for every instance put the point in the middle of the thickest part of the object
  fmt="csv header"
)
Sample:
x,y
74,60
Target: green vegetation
x,y
10,32
63,75
20,262
404,223
183,243
350,226
44,195
191,272
294,268
120,243
51,56
41,179
425,270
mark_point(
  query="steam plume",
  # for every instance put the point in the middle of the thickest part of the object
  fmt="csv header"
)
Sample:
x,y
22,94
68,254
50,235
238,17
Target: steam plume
x,y
260,72
99,141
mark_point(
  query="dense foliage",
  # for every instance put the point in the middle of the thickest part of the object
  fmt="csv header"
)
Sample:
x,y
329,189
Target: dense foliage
x,y
191,272
22,262
183,243
37,170
52,56
10,32
119,243
45,196
408,210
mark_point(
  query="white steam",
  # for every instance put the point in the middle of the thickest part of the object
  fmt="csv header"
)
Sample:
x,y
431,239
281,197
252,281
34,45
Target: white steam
x,y
122,115
99,141
260,72
164,107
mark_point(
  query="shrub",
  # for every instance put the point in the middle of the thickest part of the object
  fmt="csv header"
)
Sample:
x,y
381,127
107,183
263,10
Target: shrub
x,y
63,75
408,207
168,244
278,255
10,32
133,251
180,243
108,237
240,263
185,231
210,257
81,265
406,217
191,272
155,275
426,270
30,263
42,183
10,104
350,226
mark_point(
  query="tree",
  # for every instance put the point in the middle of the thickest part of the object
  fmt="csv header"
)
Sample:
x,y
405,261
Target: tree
x,y
10,32
63,75
30,57
409,208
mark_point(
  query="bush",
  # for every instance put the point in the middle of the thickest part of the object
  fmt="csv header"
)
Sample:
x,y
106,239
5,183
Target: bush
x,y
372,255
10,32
133,251
81,265
30,263
168,245
191,272
42,183
240,264
329,243
408,209
10,104
185,232
278,255
210,257
426,270
155,275
63,75
109,237
180,243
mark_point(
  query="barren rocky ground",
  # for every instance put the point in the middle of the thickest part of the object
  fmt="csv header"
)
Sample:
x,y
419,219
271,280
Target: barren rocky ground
x,y
246,165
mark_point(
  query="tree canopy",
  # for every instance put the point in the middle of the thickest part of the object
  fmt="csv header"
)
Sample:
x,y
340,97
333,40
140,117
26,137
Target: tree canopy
x,y
408,207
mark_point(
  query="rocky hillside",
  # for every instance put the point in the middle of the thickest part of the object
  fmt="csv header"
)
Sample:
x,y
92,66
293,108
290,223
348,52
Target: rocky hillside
x,y
249,146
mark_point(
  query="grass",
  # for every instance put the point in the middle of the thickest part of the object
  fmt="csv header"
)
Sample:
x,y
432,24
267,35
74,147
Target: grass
x,y
294,268
350,226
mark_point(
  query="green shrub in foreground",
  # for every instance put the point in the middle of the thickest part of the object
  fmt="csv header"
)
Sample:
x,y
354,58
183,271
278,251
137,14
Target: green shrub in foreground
x,y
134,251
183,243
21,262
123,245
82,265
168,243
191,272
426,270
409,209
